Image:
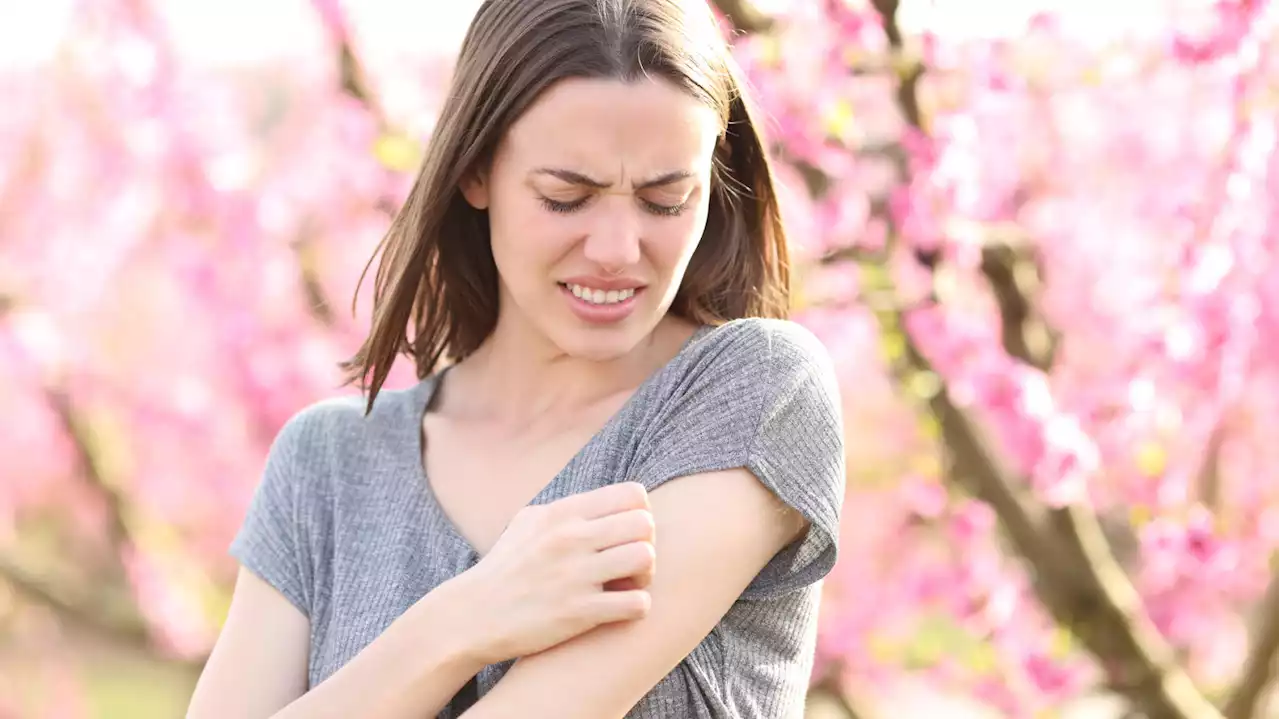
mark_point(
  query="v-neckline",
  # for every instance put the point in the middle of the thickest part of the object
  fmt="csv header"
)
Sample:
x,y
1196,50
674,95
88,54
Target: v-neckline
x,y
425,392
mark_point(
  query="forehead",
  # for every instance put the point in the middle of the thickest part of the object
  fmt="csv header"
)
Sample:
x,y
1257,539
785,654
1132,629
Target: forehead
x,y
587,124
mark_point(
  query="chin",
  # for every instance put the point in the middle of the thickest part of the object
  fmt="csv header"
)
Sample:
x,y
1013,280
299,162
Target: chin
x,y
595,343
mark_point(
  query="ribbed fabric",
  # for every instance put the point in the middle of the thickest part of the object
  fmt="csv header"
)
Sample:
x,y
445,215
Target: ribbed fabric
x,y
344,525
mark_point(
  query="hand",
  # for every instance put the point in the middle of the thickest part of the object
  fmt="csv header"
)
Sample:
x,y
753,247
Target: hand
x,y
563,568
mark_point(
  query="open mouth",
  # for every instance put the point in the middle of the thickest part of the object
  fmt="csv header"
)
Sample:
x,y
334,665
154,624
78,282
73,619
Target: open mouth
x,y
598,296
600,306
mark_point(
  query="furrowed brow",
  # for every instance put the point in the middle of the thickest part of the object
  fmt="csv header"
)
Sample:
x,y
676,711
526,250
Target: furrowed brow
x,y
669,178
577,178
571,177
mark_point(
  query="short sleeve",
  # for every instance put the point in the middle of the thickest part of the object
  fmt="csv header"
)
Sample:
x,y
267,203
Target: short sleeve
x,y
270,542
762,396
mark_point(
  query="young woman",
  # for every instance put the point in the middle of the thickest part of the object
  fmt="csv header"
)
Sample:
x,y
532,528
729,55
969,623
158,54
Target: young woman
x,y
620,495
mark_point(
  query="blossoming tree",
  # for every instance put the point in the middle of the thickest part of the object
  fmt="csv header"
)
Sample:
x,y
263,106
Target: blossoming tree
x,y
1042,249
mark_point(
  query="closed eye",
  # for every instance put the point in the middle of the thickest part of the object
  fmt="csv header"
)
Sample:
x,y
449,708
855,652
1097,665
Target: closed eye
x,y
665,210
563,207
575,205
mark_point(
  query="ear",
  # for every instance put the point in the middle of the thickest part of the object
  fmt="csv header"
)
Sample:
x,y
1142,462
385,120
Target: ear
x,y
475,188
723,145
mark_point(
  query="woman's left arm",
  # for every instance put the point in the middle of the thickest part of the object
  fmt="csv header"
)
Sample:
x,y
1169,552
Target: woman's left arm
x,y
715,532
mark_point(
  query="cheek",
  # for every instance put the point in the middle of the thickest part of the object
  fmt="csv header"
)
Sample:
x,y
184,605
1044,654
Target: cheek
x,y
680,237
523,234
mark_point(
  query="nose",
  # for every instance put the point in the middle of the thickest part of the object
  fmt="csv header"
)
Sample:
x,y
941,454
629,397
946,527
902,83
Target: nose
x,y
614,242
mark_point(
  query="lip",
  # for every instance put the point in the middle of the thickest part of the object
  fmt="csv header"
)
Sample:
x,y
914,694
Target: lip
x,y
604,283
600,314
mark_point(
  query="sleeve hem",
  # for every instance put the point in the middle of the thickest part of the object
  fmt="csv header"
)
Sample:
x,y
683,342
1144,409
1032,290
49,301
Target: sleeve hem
x,y
819,533
263,569
819,542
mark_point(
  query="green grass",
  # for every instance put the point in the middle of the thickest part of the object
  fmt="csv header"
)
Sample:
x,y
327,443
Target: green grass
x,y
138,690
118,685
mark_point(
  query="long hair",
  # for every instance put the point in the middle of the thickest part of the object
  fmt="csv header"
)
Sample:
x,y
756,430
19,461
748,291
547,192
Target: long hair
x,y
437,271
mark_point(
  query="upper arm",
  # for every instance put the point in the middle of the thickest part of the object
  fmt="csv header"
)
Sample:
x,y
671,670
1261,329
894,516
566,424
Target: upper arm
x,y
259,663
715,531
745,466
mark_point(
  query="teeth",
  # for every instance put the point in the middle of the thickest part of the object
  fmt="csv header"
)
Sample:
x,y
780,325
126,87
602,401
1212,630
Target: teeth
x,y
600,297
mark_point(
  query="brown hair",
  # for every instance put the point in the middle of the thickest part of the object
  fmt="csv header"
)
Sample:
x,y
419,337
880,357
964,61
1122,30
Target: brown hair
x,y
437,268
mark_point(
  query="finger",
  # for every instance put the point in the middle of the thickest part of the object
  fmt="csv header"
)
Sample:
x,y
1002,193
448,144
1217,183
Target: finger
x,y
603,501
618,606
624,560
641,580
622,585
632,525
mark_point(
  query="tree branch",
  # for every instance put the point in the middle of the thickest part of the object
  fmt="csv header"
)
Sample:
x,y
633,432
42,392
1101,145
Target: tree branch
x,y
1261,666
118,535
1087,589
351,75
128,632
908,98
1208,479
1023,335
318,304
354,81
1075,575
829,691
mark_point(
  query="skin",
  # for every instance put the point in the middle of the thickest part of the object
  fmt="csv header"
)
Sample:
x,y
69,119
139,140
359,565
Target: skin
x,y
541,359
544,368
541,356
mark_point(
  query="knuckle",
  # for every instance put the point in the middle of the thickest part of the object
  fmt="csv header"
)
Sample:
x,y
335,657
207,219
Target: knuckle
x,y
579,606
577,610
642,521
641,554
628,494
569,535
634,493
530,514
640,603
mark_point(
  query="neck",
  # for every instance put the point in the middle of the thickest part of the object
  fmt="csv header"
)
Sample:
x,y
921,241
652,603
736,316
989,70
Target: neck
x,y
517,374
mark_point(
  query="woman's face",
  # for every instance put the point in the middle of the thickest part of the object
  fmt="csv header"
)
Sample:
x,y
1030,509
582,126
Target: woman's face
x,y
597,198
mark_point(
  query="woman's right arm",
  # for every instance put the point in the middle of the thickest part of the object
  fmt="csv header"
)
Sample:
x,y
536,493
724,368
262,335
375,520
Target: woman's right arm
x,y
544,582
258,668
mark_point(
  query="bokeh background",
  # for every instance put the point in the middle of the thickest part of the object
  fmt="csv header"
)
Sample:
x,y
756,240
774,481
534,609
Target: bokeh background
x,y
1039,239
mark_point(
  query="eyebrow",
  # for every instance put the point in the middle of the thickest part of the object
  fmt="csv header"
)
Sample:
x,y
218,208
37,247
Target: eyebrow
x,y
577,178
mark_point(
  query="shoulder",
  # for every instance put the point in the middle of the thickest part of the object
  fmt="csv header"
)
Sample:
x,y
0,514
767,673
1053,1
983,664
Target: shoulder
x,y
335,425
770,350
732,379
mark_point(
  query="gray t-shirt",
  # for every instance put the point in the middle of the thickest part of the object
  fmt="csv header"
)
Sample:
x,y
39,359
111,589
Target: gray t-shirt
x,y
344,524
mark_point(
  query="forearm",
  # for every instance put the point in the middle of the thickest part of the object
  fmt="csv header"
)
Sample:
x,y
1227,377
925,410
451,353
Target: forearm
x,y
411,670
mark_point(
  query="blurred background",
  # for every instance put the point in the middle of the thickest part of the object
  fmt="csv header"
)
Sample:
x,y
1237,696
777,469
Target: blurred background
x,y
1039,238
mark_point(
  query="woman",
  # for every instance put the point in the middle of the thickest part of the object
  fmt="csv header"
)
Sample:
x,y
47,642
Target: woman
x,y
619,497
